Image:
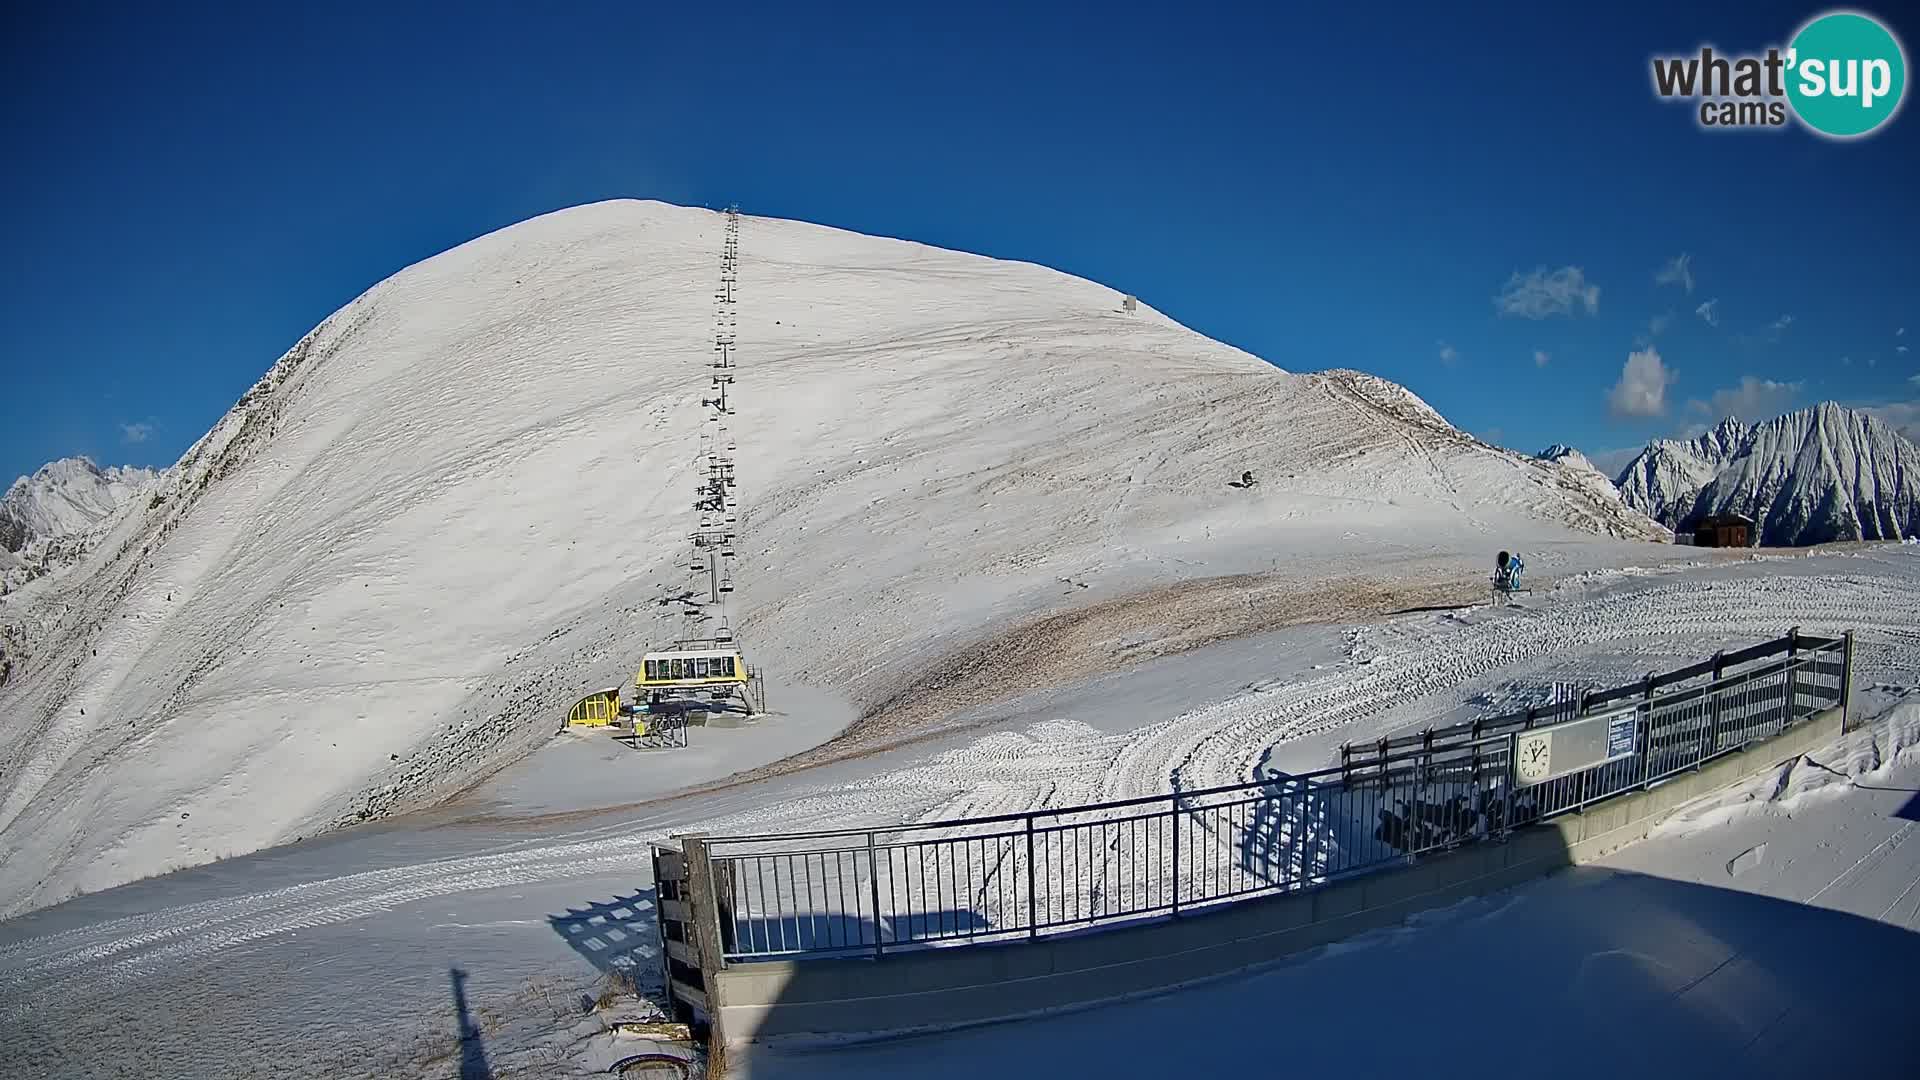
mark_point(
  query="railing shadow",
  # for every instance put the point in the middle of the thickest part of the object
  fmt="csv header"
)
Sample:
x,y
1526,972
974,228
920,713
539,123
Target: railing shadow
x,y
617,935
473,1050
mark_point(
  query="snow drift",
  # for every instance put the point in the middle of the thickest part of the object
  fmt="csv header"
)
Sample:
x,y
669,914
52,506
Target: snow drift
x,y
1809,477
463,500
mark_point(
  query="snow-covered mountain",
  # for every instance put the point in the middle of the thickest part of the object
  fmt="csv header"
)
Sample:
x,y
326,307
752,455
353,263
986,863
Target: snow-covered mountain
x,y
1562,454
1817,475
65,496
1663,480
46,518
464,499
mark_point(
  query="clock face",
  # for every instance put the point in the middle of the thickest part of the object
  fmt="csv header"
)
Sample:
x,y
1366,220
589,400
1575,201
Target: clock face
x,y
1535,756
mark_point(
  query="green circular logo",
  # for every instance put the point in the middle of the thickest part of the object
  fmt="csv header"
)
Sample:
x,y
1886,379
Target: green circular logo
x,y
1845,74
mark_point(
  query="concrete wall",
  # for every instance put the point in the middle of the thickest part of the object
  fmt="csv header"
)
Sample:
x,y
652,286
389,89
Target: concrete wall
x,y
951,987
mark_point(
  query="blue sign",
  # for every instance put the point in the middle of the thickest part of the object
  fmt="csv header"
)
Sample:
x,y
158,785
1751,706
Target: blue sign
x,y
1620,734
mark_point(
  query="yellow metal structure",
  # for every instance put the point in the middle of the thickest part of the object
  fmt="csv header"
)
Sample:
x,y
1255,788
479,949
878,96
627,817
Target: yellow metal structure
x,y
598,709
690,669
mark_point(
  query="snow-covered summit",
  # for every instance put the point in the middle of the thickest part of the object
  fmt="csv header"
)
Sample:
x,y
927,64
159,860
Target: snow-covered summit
x,y
1561,453
63,497
1662,481
50,520
463,500
1392,397
1812,476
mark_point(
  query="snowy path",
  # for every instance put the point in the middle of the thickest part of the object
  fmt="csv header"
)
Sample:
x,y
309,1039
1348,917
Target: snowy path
x,y
345,941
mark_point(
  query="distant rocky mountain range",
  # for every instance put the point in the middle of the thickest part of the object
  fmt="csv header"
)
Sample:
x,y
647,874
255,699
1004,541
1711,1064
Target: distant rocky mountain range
x,y
1820,474
46,519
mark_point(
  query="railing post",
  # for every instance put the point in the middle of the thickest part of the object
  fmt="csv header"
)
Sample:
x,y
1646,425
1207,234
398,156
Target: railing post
x,y
1793,673
1846,681
873,888
1174,801
703,912
1513,782
1033,905
1479,793
1713,705
1422,765
1646,754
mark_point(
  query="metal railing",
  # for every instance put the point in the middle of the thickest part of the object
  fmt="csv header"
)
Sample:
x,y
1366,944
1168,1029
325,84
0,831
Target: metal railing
x,y
1045,872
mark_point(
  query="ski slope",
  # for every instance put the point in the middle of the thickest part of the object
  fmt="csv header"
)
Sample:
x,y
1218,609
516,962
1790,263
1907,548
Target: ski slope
x,y
337,949
461,501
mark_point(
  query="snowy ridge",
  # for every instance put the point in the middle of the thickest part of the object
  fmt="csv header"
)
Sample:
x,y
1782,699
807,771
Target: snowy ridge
x,y
1662,481
1820,474
49,520
1584,499
1813,476
65,496
1562,454
456,505
1394,398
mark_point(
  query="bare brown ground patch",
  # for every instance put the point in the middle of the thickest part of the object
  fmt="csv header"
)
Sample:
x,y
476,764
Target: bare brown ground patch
x,y
1064,647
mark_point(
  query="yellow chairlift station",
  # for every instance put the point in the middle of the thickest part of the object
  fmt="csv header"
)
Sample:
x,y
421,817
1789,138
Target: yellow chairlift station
x,y
690,669
598,709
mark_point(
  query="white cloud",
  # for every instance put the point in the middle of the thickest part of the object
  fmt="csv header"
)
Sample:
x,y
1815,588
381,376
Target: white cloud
x,y
1781,323
1753,399
1541,358
1902,416
136,433
1899,348
1541,293
1902,332
1448,354
1846,361
1642,389
1710,311
1914,379
1677,271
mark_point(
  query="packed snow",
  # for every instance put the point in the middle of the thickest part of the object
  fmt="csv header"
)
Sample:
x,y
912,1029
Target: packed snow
x,y
1813,476
462,500
337,949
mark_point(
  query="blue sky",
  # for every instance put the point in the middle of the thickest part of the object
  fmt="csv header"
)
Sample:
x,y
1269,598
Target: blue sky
x,y
191,188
